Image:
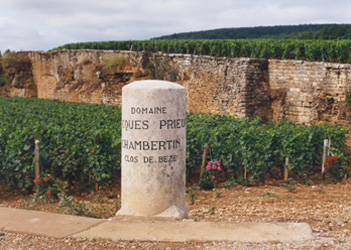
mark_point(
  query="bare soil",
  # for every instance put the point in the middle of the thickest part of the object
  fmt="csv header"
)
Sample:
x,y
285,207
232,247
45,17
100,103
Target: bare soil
x,y
325,207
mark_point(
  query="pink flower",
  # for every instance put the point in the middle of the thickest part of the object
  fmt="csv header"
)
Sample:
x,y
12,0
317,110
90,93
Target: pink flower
x,y
217,163
48,192
45,179
38,176
219,169
210,163
208,167
213,177
214,167
36,182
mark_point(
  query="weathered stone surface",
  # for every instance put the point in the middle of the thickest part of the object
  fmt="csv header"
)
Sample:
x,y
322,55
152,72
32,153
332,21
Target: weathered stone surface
x,y
153,149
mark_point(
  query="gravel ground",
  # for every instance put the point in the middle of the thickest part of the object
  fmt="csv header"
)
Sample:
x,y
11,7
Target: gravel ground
x,y
28,242
327,208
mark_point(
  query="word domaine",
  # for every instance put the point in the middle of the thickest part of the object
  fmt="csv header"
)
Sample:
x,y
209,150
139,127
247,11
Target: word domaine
x,y
142,111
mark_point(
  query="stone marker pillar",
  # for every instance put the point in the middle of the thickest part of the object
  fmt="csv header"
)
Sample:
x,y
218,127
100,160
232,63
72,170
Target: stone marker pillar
x,y
153,149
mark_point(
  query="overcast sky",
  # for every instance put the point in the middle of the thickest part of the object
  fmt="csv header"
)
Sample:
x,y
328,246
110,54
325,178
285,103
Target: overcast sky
x,y
45,24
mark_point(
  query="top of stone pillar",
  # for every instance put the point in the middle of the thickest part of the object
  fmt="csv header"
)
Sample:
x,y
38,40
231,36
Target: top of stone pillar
x,y
154,84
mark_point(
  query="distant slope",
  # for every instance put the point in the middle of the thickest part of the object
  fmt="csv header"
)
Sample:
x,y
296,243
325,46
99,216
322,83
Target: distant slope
x,y
304,31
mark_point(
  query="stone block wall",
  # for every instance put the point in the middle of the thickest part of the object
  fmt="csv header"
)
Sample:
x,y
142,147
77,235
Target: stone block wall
x,y
314,91
226,86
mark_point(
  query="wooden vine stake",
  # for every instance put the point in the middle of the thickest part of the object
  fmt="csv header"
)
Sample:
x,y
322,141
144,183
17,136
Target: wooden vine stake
x,y
89,179
204,160
96,184
245,173
36,162
326,146
286,169
329,143
37,159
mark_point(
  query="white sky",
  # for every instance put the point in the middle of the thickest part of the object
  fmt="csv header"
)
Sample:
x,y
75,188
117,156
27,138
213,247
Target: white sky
x,y
45,24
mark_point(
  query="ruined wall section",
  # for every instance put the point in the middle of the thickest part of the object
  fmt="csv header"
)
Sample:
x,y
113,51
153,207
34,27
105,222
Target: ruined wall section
x,y
313,91
257,90
226,86
70,75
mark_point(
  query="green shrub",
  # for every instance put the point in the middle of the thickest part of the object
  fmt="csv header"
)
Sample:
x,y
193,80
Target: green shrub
x,y
335,168
13,62
239,143
78,141
4,81
157,67
348,99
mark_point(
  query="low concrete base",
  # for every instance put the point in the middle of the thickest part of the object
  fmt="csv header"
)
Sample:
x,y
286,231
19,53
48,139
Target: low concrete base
x,y
173,212
198,231
59,225
42,223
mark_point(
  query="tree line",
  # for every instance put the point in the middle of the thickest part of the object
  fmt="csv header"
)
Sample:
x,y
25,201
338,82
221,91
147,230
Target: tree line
x,y
304,31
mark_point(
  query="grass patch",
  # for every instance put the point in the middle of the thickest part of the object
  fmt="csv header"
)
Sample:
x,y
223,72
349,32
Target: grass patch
x,y
112,63
211,210
268,194
319,189
218,194
291,185
192,195
85,61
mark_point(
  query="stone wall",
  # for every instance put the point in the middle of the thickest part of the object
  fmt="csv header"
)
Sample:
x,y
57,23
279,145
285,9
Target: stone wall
x,y
305,92
70,75
227,86
313,91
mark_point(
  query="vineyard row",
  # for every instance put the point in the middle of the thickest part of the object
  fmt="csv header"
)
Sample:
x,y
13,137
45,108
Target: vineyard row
x,y
82,143
310,50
